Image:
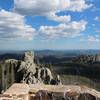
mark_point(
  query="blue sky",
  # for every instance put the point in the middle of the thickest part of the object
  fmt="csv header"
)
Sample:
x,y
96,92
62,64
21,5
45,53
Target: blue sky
x,y
49,24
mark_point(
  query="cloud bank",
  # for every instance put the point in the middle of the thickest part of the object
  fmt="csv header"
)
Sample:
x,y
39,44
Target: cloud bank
x,y
12,26
72,29
49,8
91,39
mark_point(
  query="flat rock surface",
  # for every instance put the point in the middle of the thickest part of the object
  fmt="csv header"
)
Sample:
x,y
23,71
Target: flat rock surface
x,y
22,90
65,88
18,89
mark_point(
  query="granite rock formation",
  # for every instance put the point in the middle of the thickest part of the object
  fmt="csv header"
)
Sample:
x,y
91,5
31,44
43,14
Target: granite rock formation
x,y
88,58
26,71
97,58
49,92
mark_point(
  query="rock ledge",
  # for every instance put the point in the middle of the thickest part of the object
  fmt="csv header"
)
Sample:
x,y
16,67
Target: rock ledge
x,y
49,92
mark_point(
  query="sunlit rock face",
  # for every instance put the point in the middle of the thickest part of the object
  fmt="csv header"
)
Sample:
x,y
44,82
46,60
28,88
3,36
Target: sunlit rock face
x,y
28,63
7,73
29,56
63,92
45,95
33,74
26,71
97,58
49,92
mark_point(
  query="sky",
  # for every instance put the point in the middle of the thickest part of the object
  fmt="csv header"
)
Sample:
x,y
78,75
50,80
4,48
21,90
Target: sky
x,y
49,24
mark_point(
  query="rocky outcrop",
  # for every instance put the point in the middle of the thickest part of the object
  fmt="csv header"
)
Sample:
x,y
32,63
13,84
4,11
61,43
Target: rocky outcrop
x,y
88,58
45,95
85,59
7,73
35,74
28,64
97,58
49,92
68,92
26,71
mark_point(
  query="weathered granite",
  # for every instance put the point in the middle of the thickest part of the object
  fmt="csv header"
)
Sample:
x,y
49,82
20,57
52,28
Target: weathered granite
x,y
26,71
88,58
49,92
97,58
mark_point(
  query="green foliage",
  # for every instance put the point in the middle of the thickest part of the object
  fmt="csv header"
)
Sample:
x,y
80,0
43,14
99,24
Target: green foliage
x,y
91,71
79,73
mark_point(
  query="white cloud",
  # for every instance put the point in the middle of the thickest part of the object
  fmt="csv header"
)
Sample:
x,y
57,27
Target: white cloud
x,y
90,0
49,8
91,39
70,30
78,5
40,7
97,18
93,25
98,31
12,26
63,19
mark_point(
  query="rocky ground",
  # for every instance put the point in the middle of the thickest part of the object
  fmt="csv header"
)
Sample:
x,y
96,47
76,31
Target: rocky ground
x,y
49,92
